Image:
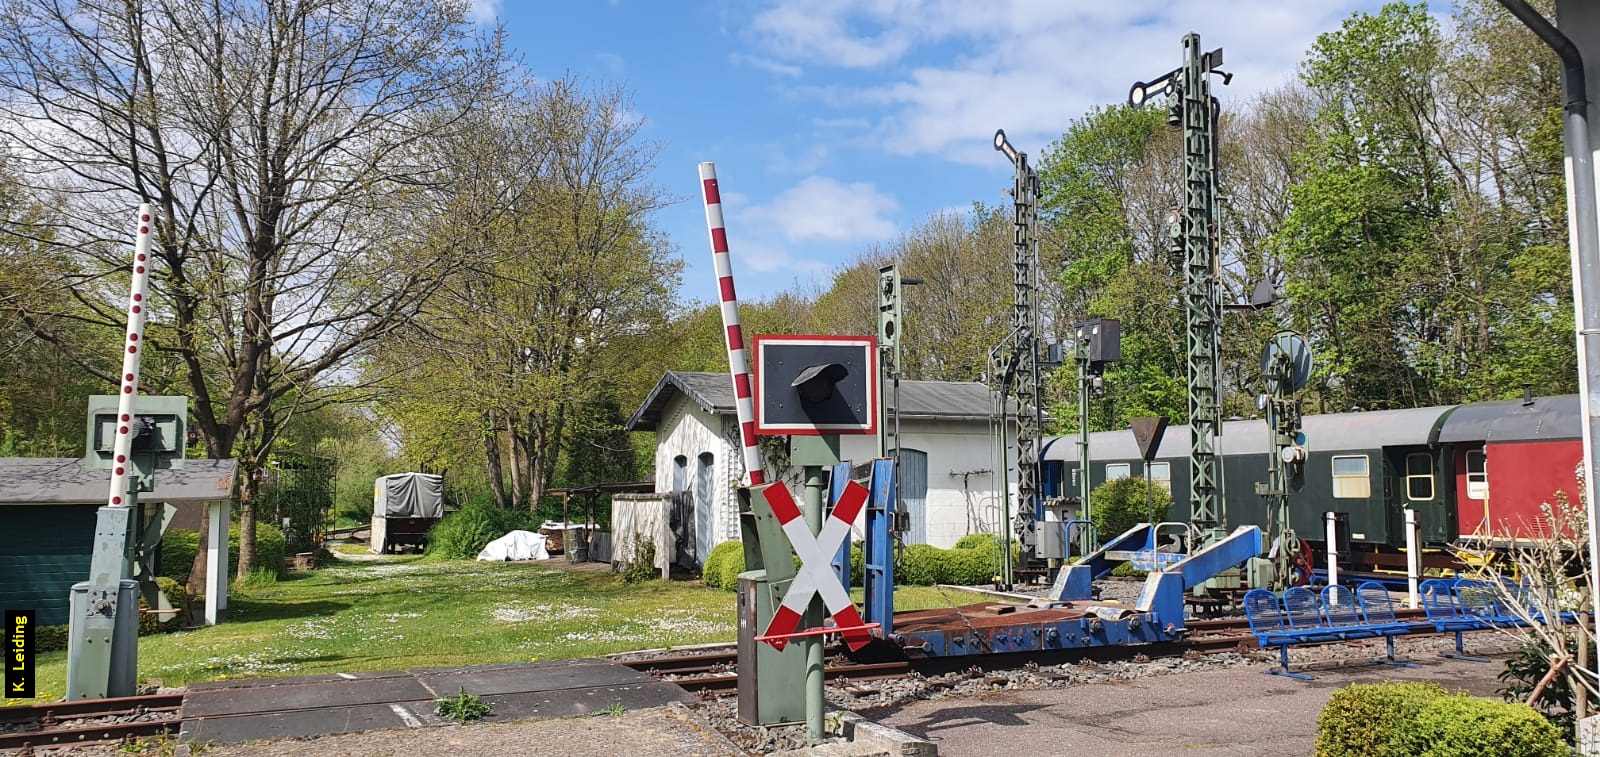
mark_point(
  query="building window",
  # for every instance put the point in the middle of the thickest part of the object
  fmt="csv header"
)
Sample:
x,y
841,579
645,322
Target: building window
x,y
1477,475
1161,472
1115,471
1419,477
1351,477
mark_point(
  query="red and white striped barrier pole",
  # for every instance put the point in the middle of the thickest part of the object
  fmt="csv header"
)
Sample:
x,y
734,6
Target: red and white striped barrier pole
x,y
137,312
730,323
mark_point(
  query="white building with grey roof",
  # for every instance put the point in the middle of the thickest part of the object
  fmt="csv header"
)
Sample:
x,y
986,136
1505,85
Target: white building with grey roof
x,y
947,459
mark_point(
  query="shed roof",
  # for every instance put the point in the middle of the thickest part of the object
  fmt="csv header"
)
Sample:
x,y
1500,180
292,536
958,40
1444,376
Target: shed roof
x,y
1331,432
68,481
1510,421
920,400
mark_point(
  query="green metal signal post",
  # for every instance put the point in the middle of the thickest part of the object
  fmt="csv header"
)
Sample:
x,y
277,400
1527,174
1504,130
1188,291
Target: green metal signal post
x,y
1192,108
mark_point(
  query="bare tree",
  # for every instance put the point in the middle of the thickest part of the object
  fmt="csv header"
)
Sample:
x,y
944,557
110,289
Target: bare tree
x,y
277,140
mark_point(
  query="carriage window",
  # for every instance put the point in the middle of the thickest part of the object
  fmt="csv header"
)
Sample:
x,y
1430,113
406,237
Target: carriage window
x,y
1351,477
1161,472
1419,476
1115,471
1477,475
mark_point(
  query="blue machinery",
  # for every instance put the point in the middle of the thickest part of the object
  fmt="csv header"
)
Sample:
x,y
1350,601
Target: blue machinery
x,y
1069,618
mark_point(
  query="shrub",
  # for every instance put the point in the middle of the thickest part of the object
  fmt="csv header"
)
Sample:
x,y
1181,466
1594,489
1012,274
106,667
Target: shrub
x,y
1368,719
919,565
50,638
1126,570
462,534
711,572
643,567
1466,726
152,623
1527,667
1120,505
858,564
732,566
974,541
178,548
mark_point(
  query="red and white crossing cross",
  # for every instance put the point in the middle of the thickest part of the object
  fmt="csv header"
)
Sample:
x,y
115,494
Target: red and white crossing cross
x,y
816,576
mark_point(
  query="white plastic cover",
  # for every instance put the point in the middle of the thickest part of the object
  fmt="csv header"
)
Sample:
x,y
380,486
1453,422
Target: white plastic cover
x,y
516,545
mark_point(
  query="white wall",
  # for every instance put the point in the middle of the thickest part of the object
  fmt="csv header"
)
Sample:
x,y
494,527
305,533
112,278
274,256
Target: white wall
x,y
687,430
952,447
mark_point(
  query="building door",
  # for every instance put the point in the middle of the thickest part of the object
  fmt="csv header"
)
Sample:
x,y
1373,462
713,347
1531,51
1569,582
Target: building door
x,y
704,507
682,513
914,493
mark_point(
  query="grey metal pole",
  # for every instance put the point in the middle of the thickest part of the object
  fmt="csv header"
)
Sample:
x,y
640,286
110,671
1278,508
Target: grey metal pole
x,y
1583,17
812,510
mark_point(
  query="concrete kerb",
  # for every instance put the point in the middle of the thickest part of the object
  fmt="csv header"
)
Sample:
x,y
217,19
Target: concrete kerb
x,y
865,738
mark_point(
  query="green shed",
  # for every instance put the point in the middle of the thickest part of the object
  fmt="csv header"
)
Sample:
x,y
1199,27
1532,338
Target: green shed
x,y
48,508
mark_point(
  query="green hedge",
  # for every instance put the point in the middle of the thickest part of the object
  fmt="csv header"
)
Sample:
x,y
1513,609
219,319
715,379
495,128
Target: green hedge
x,y
975,561
178,548
461,535
711,572
1423,720
1120,504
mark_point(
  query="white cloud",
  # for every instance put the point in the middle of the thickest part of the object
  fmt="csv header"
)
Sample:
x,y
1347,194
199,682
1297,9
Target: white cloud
x,y
758,256
483,11
766,64
823,209
961,69
612,63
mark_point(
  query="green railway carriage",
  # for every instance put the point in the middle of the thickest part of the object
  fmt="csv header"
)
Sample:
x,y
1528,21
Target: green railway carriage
x,y
47,520
1370,466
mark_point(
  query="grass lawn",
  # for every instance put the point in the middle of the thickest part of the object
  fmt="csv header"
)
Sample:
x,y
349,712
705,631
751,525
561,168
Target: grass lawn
x,y
411,612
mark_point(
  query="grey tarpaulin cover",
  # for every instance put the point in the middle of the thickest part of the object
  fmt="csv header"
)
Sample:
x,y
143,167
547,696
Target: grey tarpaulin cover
x,y
408,495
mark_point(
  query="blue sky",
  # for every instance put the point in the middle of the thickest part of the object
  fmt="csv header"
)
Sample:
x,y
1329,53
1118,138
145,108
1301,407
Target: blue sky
x,y
838,124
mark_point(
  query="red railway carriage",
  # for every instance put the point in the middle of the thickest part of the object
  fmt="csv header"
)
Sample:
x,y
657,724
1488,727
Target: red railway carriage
x,y
1509,459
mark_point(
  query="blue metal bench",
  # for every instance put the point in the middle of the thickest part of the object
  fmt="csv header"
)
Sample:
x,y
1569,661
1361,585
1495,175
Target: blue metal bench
x,y
1301,617
1445,612
1377,614
1338,615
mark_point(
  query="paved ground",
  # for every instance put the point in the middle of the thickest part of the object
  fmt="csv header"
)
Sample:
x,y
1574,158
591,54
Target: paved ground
x,y
655,731
231,712
1239,711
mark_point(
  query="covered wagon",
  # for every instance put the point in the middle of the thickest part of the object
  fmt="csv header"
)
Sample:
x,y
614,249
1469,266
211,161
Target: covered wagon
x,y
404,507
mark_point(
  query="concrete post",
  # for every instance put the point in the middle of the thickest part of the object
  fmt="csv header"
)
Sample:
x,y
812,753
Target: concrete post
x,y
1332,541
217,562
1413,558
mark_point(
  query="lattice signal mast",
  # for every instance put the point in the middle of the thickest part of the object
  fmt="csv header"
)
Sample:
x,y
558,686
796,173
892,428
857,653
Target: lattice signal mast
x,y
1192,108
1026,380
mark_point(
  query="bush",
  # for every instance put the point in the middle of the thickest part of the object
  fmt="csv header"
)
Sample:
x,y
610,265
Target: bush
x,y
643,567
1466,726
1120,505
152,623
919,565
1369,719
732,566
178,548
711,572
461,535
50,638
974,541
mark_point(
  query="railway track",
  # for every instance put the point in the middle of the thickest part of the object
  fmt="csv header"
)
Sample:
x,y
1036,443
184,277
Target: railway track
x,y
709,673
89,721
717,673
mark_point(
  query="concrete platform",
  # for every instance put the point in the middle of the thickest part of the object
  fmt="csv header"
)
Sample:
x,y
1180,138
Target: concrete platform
x,y
230,712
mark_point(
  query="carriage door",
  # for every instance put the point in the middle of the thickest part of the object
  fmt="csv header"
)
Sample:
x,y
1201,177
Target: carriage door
x,y
1415,481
